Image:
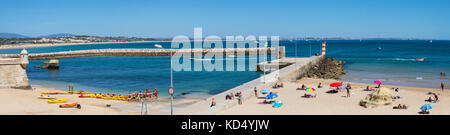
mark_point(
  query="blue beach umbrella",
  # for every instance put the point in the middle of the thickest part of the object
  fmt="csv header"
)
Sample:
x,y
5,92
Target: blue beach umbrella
x,y
427,107
271,96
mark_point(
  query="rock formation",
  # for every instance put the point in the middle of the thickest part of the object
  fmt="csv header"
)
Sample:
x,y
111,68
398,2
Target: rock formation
x,y
328,68
52,64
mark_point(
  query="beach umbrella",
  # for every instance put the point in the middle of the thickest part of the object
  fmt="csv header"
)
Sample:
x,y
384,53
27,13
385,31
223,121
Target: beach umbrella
x,y
271,96
377,82
310,89
427,107
336,84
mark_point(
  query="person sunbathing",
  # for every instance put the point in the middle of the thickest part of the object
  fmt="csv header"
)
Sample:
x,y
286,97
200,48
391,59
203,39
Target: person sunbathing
x,y
275,86
404,106
429,100
436,98
308,96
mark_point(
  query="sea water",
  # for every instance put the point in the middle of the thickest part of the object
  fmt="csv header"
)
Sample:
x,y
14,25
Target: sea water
x,y
392,61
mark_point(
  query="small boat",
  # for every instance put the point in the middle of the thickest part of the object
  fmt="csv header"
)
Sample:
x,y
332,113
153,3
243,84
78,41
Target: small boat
x,y
379,48
431,41
77,92
45,97
68,105
158,46
49,92
421,59
61,100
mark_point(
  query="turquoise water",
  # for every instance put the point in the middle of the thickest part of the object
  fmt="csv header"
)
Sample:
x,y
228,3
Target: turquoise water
x,y
394,64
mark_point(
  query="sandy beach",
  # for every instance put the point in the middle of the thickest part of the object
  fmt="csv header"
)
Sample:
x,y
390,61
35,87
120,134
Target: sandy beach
x,y
339,104
25,102
20,46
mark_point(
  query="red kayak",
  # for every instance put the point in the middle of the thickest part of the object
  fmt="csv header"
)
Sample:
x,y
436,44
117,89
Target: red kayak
x,y
82,96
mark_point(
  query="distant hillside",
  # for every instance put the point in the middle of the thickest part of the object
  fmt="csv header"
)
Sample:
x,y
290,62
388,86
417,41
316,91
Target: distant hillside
x,y
57,35
12,35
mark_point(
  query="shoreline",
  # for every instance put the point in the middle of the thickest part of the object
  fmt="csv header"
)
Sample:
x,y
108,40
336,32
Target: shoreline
x,y
27,103
16,46
339,104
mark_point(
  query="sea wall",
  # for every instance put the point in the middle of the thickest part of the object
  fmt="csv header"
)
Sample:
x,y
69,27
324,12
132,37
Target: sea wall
x,y
12,74
146,52
287,74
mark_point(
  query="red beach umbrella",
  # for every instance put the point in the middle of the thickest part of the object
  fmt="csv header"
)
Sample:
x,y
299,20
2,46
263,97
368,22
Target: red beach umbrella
x,y
336,84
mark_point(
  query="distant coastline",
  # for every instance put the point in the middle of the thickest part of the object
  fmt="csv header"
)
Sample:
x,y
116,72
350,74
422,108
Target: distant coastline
x,y
19,46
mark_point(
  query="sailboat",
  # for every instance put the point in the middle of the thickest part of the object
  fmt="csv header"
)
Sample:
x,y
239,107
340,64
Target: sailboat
x,y
431,41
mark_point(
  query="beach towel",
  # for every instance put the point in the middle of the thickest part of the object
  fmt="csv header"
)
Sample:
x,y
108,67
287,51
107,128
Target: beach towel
x,y
265,91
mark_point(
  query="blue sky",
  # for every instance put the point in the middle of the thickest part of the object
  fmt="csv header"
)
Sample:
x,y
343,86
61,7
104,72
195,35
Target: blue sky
x,y
285,18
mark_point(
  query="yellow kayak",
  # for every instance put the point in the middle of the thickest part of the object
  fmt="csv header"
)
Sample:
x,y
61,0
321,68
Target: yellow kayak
x,y
78,92
45,97
107,97
55,93
61,100
49,92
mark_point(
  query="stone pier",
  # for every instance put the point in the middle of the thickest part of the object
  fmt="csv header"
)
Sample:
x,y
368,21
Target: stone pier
x,y
147,52
293,69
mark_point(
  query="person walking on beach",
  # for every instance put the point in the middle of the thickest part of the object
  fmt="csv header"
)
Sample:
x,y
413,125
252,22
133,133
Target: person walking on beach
x,y
442,86
155,93
349,86
348,91
256,92
213,102
240,98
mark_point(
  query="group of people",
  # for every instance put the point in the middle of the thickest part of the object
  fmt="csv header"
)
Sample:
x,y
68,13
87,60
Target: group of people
x,y
400,106
231,97
146,94
443,74
436,98
280,85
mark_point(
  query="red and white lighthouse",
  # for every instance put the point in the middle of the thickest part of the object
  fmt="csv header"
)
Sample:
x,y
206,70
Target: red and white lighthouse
x,y
323,47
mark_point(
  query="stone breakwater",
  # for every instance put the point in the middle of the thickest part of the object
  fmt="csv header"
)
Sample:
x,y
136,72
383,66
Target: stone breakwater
x,y
149,52
298,67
